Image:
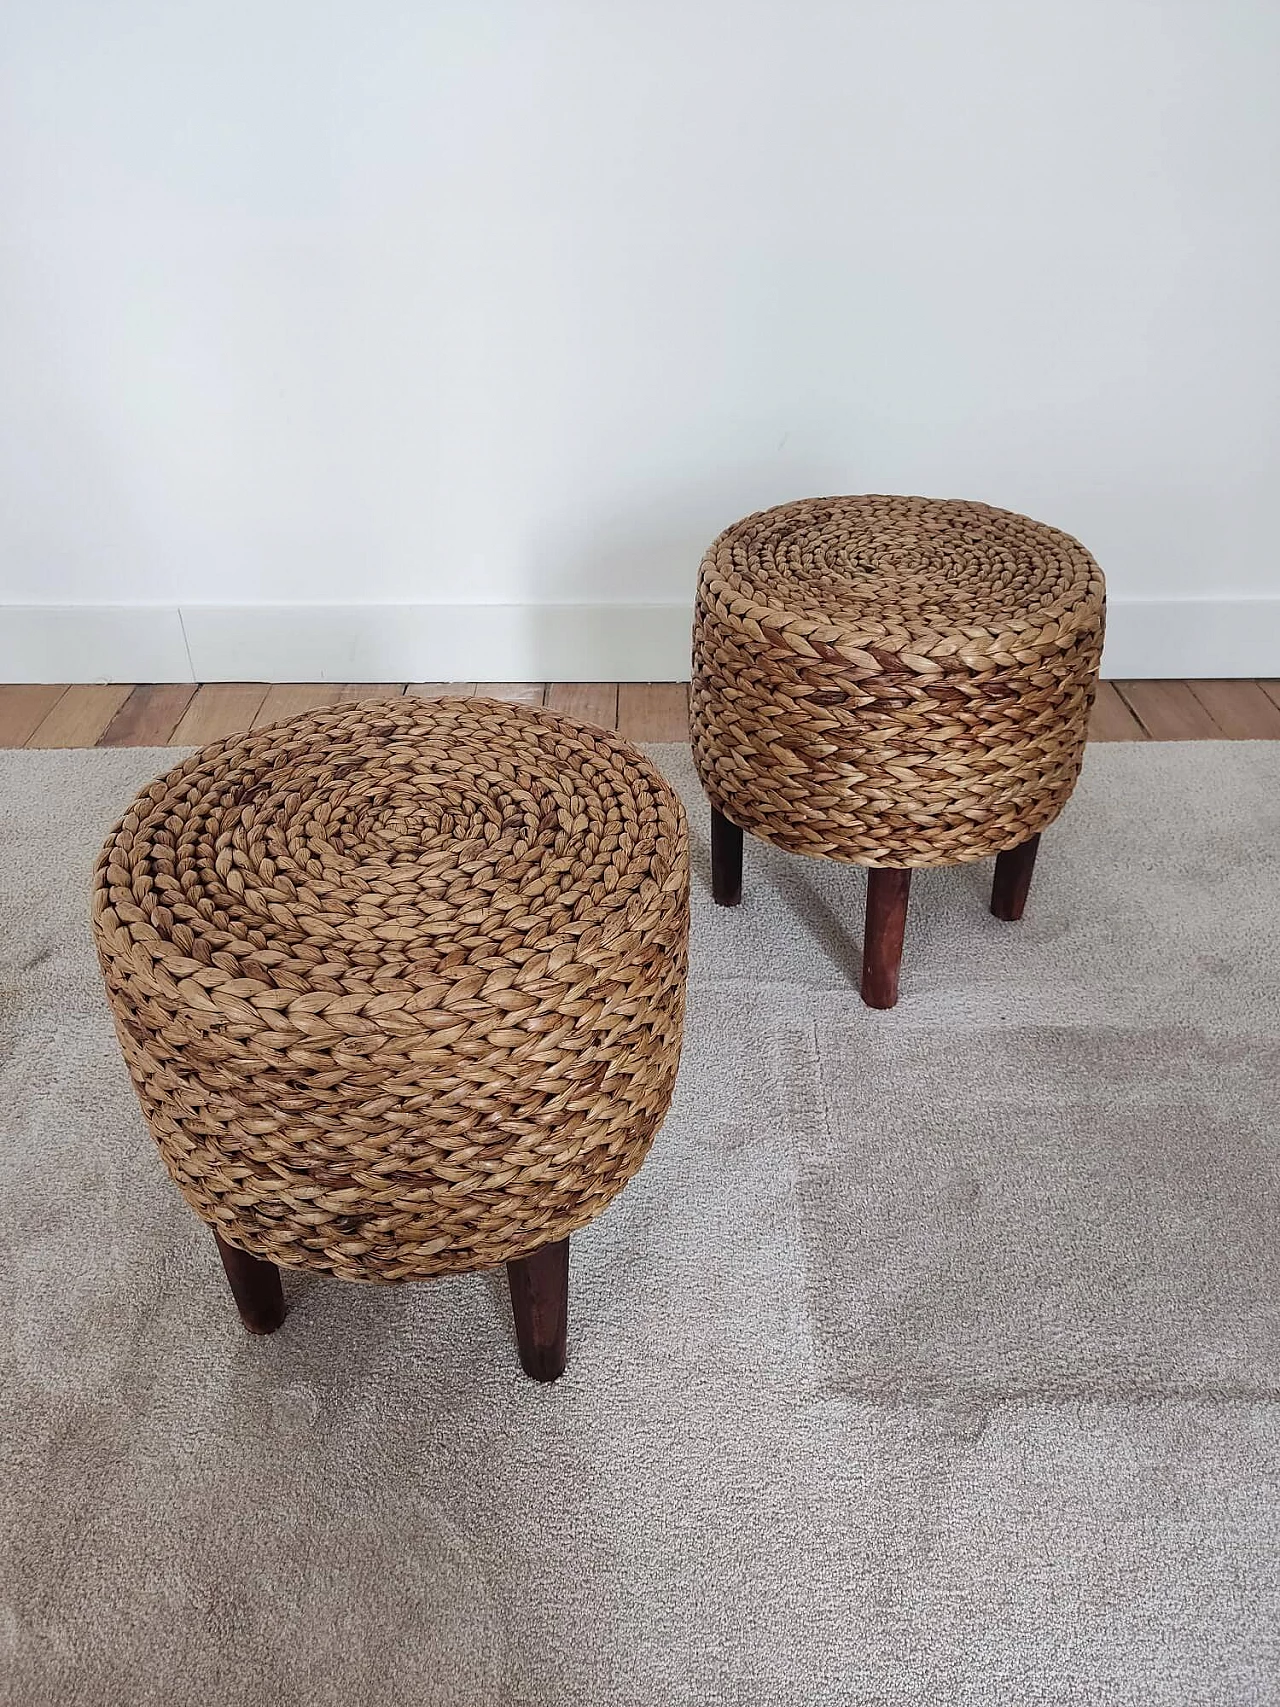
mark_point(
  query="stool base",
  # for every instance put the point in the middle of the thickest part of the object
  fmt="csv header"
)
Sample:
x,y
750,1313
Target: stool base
x,y
255,1286
539,1301
1013,879
540,1304
888,891
726,860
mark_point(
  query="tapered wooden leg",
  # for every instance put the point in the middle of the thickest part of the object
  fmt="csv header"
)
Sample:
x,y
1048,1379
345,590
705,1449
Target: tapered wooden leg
x,y
540,1303
726,860
255,1286
1013,879
887,892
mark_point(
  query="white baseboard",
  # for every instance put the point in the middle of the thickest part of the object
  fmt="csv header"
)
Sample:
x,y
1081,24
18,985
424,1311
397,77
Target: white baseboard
x,y
1192,637
438,643
517,643
93,643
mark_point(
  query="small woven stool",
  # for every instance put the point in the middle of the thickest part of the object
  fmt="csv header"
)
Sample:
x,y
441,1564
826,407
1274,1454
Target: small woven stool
x,y
895,682
400,988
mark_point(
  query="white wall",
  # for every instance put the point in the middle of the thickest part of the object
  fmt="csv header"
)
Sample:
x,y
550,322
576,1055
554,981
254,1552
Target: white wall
x,y
519,301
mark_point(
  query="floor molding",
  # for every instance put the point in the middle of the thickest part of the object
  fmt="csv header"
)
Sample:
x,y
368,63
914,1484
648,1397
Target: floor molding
x,y
1160,638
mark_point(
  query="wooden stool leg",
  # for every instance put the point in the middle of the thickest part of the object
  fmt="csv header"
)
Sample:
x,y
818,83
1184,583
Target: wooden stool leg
x,y
540,1303
726,860
255,1286
1013,879
887,892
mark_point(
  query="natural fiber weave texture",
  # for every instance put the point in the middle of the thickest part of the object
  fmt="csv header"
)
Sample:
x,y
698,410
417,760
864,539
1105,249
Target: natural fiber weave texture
x,y
893,681
400,986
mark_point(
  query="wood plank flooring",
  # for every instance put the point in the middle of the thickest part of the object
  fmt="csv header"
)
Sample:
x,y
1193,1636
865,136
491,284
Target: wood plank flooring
x,y
79,717
1112,720
1169,711
161,714
149,716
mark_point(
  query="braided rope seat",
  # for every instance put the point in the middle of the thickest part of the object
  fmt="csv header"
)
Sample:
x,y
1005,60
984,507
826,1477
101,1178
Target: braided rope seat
x,y
893,681
400,986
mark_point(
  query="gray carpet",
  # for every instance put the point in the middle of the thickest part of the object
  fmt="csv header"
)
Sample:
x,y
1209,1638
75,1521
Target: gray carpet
x,y
934,1356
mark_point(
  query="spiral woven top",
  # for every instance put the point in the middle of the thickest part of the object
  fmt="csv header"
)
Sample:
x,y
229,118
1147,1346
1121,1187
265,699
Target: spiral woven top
x,y
362,850
400,985
926,578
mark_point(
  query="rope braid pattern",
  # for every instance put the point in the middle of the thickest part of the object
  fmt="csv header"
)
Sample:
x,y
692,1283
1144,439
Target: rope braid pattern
x,y
893,681
400,986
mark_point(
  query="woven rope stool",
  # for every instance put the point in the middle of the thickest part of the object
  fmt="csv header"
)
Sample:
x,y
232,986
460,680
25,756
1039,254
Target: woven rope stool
x,y
895,682
400,988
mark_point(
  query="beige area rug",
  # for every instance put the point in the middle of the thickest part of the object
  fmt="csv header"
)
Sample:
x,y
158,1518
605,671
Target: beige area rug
x,y
934,1357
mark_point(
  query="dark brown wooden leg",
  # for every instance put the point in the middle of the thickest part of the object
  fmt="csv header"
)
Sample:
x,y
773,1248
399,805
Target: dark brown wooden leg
x,y
1013,879
255,1286
887,892
540,1303
726,860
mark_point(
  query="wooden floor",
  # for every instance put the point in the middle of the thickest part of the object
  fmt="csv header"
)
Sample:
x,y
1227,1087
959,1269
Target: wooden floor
x,y
161,714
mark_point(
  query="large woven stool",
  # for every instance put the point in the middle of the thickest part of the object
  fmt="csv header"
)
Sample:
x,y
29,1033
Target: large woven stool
x,y
400,988
895,682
